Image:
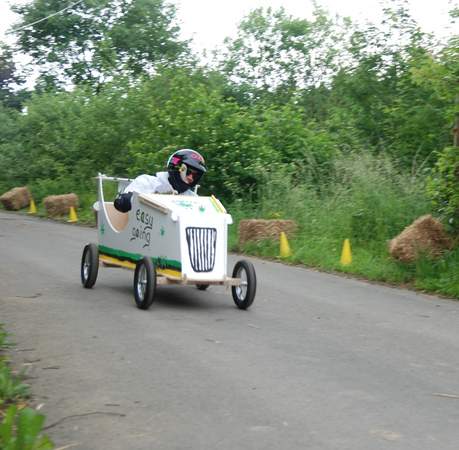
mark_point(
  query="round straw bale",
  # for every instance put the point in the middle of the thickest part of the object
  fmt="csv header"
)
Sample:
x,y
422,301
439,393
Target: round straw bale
x,y
15,199
426,235
259,229
59,205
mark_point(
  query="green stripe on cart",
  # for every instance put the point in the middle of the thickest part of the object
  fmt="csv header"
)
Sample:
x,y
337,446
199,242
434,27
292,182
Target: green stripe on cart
x,y
161,263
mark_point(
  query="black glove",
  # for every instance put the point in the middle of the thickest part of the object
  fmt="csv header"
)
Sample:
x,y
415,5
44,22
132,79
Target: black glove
x,y
123,202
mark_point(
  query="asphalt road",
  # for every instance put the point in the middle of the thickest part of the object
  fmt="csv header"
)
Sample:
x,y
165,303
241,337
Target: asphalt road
x,y
318,362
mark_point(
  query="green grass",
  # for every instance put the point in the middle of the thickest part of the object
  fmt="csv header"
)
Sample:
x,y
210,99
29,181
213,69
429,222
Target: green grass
x,y
440,275
367,201
20,426
12,389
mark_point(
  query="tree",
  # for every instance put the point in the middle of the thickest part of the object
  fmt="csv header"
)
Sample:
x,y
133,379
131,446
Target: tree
x,y
275,51
10,81
386,92
90,41
442,75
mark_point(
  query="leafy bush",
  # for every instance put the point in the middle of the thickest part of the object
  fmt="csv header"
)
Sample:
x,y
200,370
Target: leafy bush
x,y
20,430
443,187
11,388
3,338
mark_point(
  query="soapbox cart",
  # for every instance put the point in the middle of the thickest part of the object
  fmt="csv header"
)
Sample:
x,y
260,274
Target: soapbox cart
x,y
166,239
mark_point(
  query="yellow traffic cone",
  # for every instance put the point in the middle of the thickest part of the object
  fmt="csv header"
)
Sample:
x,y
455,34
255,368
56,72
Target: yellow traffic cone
x,y
72,215
346,255
32,207
285,251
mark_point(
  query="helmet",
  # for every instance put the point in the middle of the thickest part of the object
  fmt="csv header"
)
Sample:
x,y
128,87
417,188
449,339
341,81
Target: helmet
x,y
185,167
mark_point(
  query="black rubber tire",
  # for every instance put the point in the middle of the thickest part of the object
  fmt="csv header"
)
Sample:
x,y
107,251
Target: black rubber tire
x,y
89,265
202,287
144,283
244,294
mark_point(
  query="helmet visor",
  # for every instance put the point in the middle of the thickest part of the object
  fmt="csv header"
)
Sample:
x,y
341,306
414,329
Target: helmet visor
x,y
189,174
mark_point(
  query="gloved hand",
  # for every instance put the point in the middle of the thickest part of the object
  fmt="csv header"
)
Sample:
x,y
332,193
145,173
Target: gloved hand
x,y
122,202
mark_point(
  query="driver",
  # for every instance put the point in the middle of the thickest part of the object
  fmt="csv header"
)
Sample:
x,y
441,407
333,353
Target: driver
x,y
184,170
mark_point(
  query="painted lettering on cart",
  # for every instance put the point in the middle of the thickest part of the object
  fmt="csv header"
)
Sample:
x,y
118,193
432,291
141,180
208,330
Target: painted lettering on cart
x,y
142,229
184,204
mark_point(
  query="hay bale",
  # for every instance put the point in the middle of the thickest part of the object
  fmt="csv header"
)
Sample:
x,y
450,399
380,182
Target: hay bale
x,y
259,229
59,205
425,235
15,199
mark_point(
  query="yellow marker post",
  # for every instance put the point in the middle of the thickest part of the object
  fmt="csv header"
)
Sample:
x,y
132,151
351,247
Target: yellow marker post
x,y
284,247
346,254
72,215
32,207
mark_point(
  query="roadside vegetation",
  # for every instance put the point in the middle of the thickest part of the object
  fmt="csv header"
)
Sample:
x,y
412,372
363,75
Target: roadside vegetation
x,y
20,426
368,201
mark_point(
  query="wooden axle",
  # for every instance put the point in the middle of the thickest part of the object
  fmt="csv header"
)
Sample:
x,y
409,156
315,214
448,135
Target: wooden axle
x,y
163,278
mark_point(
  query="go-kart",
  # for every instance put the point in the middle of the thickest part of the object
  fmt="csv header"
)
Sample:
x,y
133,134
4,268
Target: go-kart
x,y
166,239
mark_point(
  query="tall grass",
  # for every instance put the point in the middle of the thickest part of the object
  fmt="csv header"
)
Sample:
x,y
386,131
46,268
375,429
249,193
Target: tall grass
x,y
366,199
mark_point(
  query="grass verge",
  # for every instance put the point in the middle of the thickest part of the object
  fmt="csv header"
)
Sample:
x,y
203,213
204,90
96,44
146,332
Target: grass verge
x,y
20,426
367,200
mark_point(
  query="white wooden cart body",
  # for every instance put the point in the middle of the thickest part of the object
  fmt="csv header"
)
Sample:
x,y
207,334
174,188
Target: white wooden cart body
x,y
185,236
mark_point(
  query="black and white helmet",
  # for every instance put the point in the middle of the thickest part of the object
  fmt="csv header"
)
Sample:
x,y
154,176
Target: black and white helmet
x,y
185,167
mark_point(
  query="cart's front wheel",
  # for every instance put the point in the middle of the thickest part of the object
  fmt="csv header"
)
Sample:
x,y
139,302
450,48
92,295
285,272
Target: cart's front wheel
x,y
89,265
144,283
202,287
244,294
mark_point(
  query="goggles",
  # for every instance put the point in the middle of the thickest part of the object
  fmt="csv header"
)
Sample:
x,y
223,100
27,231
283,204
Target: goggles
x,y
186,171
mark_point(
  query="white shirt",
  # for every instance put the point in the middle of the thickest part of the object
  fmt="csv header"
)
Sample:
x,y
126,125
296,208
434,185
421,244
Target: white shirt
x,y
149,184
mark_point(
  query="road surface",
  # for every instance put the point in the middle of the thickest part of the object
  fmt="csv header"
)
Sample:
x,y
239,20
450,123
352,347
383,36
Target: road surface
x,y
318,362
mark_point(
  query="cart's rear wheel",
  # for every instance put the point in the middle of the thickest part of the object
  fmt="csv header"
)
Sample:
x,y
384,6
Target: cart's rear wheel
x,y
89,265
202,287
244,294
144,283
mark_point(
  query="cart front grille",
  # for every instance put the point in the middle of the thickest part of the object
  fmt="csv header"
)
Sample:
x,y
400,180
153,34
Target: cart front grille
x,y
201,248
